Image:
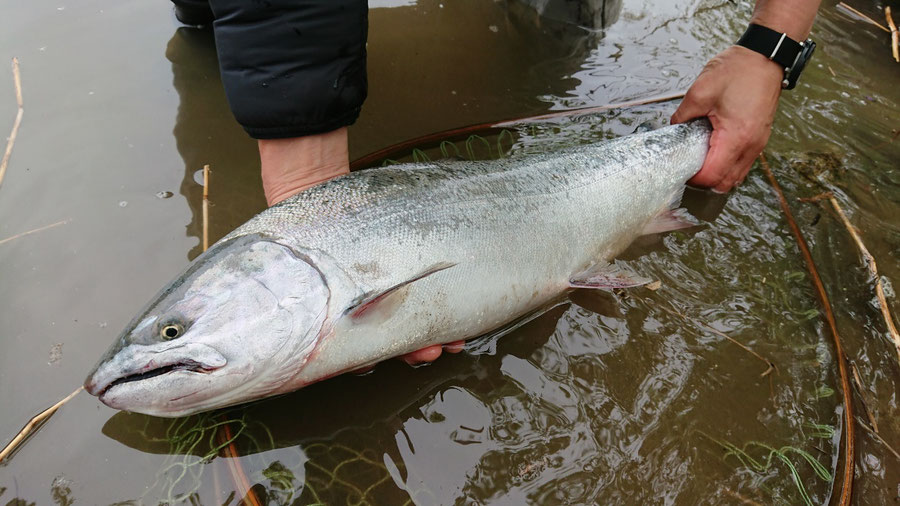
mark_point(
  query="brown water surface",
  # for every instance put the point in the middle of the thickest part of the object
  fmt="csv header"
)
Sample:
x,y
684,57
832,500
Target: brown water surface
x,y
607,398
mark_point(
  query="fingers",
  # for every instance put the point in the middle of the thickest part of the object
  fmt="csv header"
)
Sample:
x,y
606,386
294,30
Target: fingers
x,y
729,159
427,354
701,98
431,353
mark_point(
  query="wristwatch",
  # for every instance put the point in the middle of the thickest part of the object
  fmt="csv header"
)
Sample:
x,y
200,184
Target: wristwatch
x,y
781,49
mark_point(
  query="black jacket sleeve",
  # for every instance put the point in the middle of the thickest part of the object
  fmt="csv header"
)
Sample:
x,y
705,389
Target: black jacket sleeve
x,y
292,67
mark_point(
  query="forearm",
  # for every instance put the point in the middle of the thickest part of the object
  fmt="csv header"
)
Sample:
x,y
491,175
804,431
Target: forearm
x,y
292,68
793,17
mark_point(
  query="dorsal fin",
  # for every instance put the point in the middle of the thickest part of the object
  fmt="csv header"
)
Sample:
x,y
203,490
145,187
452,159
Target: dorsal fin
x,y
386,301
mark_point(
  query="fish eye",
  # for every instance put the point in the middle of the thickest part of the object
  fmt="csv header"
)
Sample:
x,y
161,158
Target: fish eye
x,y
171,331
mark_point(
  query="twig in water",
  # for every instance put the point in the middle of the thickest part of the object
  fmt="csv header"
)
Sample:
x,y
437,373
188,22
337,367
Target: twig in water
x,y
237,472
869,260
863,16
863,396
816,198
742,498
771,366
849,437
39,229
832,71
15,129
878,437
895,36
34,422
205,207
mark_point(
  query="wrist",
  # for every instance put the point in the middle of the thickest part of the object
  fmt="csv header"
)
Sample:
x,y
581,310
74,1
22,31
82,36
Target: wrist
x,y
794,18
756,63
791,55
292,165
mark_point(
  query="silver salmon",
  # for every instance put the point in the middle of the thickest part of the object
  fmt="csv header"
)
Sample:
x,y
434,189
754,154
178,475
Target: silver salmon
x,y
387,261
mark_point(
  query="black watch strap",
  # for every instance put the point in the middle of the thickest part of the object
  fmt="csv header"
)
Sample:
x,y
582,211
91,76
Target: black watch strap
x,y
775,46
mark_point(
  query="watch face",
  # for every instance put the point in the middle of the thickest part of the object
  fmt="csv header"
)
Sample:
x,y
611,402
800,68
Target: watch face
x,y
802,59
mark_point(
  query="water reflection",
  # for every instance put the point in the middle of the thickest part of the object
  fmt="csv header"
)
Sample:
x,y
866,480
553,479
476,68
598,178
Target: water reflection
x,y
593,14
207,133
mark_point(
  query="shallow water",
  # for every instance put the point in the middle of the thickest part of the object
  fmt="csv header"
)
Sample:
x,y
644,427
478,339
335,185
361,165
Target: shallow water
x,y
606,398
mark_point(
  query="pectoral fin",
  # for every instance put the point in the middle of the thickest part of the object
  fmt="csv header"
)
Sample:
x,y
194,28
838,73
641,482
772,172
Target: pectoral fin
x,y
385,302
607,276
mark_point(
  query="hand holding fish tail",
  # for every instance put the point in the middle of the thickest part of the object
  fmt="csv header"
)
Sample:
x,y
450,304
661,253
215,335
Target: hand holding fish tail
x,y
738,91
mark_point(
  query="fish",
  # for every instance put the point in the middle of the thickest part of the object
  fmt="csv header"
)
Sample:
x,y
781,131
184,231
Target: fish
x,y
386,261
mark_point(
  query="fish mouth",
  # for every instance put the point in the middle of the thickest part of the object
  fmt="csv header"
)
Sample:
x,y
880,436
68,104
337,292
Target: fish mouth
x,y
134,364
186,365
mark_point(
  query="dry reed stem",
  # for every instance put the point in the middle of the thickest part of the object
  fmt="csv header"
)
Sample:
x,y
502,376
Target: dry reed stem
x,y
850,436
205,207
832,71
862,396
869,260
860,14
15,129
592,110
34,231
770,365
34,422
879,438
895,36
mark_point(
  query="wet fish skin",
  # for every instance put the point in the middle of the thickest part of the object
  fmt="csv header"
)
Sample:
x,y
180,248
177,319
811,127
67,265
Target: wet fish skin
x,y
383,262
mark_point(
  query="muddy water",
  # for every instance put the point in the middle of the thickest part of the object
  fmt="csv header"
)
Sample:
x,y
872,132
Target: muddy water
x,y
609,398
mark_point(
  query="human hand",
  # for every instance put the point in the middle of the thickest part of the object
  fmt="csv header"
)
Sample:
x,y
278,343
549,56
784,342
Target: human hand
x,y
738,91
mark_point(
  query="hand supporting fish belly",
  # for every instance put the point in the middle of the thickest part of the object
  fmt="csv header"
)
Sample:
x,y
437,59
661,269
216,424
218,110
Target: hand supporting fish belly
x,y
384,262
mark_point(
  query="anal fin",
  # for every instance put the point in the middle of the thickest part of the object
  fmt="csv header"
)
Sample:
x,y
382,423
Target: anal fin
x,y
670,219
607,276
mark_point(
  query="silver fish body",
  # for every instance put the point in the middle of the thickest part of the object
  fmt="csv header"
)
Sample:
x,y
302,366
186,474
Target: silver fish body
x,y
387,261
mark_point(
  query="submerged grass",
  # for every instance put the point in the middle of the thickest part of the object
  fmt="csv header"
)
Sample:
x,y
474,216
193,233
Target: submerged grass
x,y
317,473
767,456
192,444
